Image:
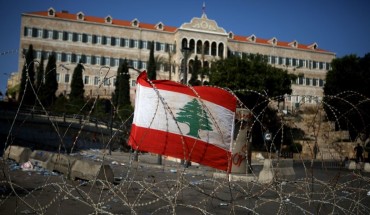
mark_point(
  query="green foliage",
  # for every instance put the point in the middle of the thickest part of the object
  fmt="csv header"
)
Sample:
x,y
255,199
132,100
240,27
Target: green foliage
x,y
121,95
347,92
260,80
251,73
60,104
28,71
152,68
51,85
40,76
77,86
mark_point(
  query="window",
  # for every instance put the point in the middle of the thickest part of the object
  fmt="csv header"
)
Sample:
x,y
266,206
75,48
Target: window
x,y
308,82
145,44
107,61
39,33
108,40
135,64
136,44
50,34
86,80
96,80
29,32
69,58
294,62
118,41
60,35
162,46
78,58
280,60
321,83
300,80
79,37
88,59
106,82
70,36
38,54
97,60
116,62
143,65
314,82
66,78
89,38
98,40
58,77
133,83
283,61
127,43
59,57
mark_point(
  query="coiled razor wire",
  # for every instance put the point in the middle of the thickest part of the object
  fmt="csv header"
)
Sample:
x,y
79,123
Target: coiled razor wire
x,y
145,188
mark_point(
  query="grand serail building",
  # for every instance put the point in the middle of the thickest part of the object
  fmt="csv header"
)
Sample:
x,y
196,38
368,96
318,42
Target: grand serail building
x,y
103,43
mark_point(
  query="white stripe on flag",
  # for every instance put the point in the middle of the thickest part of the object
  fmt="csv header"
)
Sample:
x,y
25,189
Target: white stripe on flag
x,y
150,113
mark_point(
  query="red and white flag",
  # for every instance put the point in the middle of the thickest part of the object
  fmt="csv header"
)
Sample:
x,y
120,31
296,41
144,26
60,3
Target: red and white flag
x,y
194,124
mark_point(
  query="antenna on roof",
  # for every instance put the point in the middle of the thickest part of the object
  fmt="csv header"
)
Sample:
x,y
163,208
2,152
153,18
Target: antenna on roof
x,y
204,10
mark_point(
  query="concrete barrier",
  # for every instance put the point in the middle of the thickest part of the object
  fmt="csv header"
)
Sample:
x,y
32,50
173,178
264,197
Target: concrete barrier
x,y
90,170
61,163
367,167
17,153
41,158
353,165
280,170
266,175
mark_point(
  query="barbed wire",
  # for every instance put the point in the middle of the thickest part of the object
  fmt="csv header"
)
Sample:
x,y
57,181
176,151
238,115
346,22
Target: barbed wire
x,y
323,185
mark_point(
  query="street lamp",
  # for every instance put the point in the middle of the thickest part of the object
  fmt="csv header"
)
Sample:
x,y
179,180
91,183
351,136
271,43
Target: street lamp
x,y
186,51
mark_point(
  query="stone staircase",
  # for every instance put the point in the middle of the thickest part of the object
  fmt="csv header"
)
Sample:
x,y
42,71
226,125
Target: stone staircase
x,y
332,144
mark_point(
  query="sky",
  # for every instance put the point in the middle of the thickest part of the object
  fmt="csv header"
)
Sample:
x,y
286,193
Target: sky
x,y
340,26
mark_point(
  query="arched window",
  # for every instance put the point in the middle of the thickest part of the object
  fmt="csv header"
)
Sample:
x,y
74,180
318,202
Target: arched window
x,y
206,48
213,49
51,12
184,43
199,47
80,16
221,50
192,45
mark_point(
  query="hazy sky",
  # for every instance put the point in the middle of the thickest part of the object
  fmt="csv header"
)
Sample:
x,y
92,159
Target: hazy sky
x,y
340,26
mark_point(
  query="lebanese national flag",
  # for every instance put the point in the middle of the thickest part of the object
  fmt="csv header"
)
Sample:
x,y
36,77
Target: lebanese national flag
x,y
194,124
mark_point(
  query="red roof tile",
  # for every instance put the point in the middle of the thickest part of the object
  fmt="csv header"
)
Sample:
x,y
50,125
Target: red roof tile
x,y
93,19
125,23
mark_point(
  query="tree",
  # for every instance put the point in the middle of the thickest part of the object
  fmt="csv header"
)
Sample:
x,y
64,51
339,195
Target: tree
x,y
28,79
51,84
121,95
77,85
152,68
254,82
40,76
195,117
170,64
347,92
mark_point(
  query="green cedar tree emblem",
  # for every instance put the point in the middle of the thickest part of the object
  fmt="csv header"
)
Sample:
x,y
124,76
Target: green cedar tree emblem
x,y
195,117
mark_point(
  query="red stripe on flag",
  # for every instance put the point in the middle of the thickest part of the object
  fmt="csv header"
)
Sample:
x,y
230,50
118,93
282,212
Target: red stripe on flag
x,y
212,94
177,146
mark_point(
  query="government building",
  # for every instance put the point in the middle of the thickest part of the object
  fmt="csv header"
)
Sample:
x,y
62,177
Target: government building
x,y
103,43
